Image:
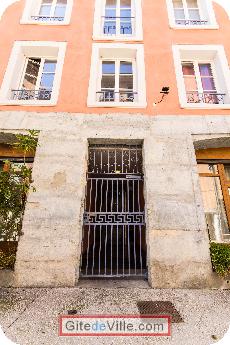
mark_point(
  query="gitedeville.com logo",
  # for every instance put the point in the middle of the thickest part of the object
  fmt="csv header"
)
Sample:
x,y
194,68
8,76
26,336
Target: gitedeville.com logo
x,y
114,325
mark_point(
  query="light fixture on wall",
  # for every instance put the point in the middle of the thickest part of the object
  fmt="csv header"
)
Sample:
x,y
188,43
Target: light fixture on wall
x,y
164,92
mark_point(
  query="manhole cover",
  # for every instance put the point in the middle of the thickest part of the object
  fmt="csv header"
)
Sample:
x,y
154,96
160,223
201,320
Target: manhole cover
x,y
159,308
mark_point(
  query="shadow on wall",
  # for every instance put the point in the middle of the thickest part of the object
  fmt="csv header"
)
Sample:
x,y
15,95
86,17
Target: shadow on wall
x,y
4,4
225,4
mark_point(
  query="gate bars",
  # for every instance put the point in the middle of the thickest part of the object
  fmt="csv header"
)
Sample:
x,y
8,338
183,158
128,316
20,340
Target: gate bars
x,y
113,242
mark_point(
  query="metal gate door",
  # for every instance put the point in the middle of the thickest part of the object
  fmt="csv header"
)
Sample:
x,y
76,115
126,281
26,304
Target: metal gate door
x,y
114,243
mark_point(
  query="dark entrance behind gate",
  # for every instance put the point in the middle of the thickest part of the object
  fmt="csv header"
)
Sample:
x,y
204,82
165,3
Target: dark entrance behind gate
x,y
114,243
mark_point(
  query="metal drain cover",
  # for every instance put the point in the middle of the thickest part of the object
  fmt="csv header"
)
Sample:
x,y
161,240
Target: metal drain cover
x,y
159,308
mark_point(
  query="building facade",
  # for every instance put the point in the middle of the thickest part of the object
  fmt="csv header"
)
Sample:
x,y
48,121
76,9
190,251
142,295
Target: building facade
x,y
132,172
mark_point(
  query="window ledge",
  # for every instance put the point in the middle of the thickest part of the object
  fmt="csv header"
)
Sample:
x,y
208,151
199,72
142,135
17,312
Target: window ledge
x,y
29,103
117,38
36,22
205,106
117,105
196,27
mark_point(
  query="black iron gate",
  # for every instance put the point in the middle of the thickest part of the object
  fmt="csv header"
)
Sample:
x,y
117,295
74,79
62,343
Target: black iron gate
x,y
114,243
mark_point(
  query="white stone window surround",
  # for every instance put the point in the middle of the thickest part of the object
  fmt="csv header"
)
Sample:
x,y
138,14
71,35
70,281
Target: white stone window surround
x,y
97,26
16,65
32,8
206,13
111,51
213,54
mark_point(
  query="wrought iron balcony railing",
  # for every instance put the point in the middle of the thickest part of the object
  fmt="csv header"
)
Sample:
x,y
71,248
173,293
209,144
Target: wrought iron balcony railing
x,y
41,95
118,25
205,97
47,19
112,96
191,22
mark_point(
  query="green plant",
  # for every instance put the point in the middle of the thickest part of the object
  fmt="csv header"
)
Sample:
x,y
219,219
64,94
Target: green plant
x,y
220,255
7,260
27,143
15,183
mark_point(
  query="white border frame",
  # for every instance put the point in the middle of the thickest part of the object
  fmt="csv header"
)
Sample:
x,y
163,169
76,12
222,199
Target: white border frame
x,y
26,19
97,25
180,79
9,74
140,76
211,16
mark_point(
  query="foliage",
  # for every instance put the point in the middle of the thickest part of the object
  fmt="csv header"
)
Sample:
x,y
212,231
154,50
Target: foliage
x,y
220,254
15,183
27,143
7,260
14,186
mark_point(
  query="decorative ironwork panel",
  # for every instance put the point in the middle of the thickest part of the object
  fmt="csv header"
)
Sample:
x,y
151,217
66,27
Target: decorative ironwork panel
x,y
112,96
124,159
42,94
191,22
124,218
47,19
206,97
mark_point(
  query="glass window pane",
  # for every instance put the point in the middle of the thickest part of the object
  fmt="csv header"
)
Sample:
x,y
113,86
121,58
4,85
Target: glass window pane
x,y
47,2
188,68
194,14
227,172
126,82
126,28
126,14
192,4
62,2
45,10
108,82
49,66
205,70
110,13
109,28
179,14
207,168
47,81
214,207
60,11
208,84
31,73
108,67
111,3
126,67
177,4
190,83
125,3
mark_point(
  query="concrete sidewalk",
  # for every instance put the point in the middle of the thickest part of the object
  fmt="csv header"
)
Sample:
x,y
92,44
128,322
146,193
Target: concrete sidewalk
x,y
30,316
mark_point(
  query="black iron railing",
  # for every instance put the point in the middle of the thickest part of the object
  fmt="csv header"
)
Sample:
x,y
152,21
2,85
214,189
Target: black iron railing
x,y
191,22
205,97
22,94
47,19
111,25
112,96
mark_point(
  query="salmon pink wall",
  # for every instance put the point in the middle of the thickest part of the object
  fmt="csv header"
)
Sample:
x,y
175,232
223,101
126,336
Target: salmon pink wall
x,y
158,41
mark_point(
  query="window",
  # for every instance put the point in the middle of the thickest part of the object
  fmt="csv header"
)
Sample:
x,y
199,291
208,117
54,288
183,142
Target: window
x,y
215,187
116,82
33,74
117,76
118,19
202,76
47,12
191,14
52,10
37,80
199,83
